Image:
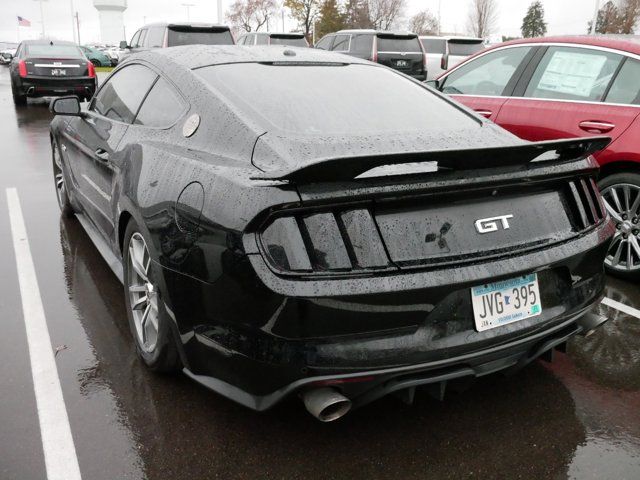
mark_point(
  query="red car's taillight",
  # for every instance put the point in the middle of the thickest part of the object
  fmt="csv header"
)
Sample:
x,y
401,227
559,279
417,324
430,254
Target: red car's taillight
x,y
22,68
92,70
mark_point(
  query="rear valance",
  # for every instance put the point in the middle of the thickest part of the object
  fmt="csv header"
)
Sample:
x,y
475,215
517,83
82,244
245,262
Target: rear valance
x,y
337,169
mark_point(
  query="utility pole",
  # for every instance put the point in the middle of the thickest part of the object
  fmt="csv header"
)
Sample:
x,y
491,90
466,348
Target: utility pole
x,y
220,19
187,6
78,26
439,17
595,18
42,15
73,22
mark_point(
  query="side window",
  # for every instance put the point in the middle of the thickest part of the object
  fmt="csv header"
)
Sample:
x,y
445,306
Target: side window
x,y
155,37
486,75
262,39
120,97
162,107
341,43
325,43
134,39
143,35
362,44
625,88
569,73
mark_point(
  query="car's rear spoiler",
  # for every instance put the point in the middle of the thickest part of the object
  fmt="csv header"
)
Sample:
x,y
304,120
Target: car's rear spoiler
x,y
336,169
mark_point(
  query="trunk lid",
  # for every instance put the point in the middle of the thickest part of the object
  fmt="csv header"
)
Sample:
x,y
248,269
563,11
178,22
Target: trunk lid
x,y
57,67
401,52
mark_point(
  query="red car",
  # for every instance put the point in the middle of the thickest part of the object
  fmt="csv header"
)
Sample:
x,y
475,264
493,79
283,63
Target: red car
x,y
561,87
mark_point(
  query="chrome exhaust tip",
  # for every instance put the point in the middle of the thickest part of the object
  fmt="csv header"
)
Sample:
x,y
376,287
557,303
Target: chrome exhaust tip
x,y
590,322
326,404
30,90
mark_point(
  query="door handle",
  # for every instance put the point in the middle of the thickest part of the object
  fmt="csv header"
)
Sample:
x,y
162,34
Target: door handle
x,y
102,154
484,113
593,126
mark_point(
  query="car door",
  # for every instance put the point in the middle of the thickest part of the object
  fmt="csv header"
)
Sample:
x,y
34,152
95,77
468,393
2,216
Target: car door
x,y
485,82
91,142
564,96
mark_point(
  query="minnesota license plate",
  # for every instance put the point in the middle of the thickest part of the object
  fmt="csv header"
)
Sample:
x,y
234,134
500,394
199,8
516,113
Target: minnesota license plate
x,y
508,301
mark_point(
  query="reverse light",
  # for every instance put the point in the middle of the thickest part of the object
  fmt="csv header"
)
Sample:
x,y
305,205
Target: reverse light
x,y
22,68
92,70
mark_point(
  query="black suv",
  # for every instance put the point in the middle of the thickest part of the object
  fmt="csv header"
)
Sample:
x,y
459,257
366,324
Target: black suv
x,y
161,35
401,51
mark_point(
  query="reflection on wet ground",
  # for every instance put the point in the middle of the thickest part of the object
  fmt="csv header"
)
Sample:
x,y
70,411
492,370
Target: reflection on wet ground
x,y
578,417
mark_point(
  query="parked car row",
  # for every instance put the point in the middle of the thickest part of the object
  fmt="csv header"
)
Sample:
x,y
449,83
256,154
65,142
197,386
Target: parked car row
x,y
277,239
7,52
564,87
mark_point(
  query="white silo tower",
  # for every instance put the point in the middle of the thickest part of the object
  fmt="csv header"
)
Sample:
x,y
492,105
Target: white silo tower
x,y
111,21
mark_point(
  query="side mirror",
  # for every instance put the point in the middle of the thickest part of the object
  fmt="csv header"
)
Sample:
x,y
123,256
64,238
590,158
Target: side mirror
x,y
65,106
124,44
444,63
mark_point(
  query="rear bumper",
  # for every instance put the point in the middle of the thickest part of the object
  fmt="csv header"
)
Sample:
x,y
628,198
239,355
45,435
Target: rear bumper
x,y
47,86
256,341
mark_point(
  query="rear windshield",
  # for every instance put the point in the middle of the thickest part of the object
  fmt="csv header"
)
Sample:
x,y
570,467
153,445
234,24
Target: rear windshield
x,y
53,51
464,48
289,41
434,45
201,36
333,100
398,44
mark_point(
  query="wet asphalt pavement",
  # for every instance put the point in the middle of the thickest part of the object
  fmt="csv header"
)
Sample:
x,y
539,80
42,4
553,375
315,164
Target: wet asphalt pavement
x,y
578,417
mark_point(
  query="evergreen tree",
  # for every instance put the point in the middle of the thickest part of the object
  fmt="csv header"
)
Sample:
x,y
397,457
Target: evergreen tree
x,y
533,24
331,19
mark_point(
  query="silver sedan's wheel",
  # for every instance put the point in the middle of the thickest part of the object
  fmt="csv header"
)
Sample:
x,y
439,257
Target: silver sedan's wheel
x,y
143,293
622,201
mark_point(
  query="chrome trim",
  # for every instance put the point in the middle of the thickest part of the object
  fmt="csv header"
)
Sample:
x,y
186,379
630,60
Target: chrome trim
x,y
102,193
56,66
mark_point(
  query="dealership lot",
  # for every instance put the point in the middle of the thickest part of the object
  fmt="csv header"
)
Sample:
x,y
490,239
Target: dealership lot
x,y
578,417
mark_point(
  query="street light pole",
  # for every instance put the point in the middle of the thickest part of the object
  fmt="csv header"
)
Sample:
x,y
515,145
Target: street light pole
x,y
439,17
220,20
42,16
187,6
73,22
595,18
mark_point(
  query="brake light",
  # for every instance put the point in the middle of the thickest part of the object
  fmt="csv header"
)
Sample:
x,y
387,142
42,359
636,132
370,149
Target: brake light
x,y
22,68
92,70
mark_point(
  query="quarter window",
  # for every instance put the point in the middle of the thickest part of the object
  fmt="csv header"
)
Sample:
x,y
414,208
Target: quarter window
x,y
362,44
578,74
134,39
262,40
324,43
120,97
341,43
143,35
486,75
161,108
155,38
625,88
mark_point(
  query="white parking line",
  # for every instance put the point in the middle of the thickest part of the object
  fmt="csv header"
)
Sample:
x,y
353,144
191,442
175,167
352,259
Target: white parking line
x,y
621,306
57,442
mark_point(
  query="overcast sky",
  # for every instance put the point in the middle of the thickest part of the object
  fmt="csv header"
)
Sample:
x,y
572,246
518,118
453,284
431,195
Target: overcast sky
x,y
563,16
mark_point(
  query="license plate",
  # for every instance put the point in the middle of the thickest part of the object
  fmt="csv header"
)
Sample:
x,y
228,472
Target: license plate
x,y
56,72
508,301
402,63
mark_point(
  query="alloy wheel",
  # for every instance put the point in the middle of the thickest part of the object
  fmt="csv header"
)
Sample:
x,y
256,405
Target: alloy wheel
x,y
143,293
59,177
623,204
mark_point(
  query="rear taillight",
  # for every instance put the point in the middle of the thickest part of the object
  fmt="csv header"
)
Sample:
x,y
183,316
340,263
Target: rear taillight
x,y
92,70
22,68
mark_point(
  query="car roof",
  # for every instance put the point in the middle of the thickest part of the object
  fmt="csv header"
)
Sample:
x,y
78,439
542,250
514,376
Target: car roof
x,y
376,32
277,34
625,43
185,24
196,56
48,42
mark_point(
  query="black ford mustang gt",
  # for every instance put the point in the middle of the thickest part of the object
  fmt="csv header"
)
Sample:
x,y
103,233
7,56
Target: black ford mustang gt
x,y
290,220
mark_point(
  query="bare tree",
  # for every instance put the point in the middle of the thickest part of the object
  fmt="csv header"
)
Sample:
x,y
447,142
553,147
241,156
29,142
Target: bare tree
x,y
423,23
482,17
629,11
383,14
250,15
304,12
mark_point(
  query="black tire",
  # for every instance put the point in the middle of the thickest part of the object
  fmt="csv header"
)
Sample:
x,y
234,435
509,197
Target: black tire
x,y
18,99
60,184
630,221
163,356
